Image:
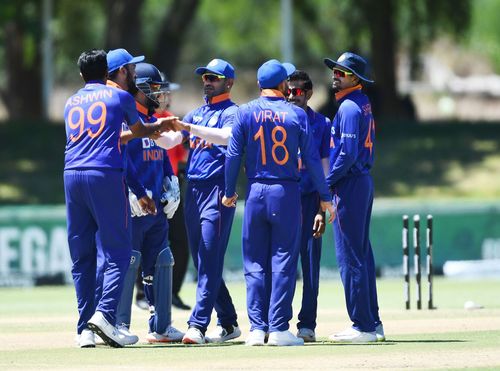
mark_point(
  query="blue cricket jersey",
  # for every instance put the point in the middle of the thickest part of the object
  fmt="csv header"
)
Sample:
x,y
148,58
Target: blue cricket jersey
x,y
206,160
273,131
320,127
93,118
352,136
150,161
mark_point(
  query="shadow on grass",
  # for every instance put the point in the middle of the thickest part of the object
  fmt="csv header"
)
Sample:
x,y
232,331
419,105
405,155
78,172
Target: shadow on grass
x,y
393,342
316,344
384,343
181,345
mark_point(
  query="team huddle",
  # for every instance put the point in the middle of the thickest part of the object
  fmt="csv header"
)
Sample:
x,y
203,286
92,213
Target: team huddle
x,y
121,191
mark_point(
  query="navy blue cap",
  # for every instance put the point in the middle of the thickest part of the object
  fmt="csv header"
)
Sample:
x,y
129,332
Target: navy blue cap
x,y
350,62
273,72
146,72
120,57
219,67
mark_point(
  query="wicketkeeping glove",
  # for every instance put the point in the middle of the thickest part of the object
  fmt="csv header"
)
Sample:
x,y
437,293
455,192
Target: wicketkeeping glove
x,y
135,207
171,196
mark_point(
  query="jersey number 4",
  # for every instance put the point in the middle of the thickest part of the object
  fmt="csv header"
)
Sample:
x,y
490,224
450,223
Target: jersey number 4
x,y
368,139
277,143
77,116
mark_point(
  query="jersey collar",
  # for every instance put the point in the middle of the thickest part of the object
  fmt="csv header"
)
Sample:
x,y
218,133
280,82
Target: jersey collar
x,y
142,109
113,84
341,94
271,93
218,98
95,82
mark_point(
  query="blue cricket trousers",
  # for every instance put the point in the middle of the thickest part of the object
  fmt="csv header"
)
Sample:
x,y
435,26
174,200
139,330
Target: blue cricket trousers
x,y
149,236
353,197
271,233
310,257
208,225
98,221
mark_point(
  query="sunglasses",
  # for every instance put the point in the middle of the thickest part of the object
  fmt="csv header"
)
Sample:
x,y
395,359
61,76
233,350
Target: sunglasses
x,y
341,73
296,91
212,77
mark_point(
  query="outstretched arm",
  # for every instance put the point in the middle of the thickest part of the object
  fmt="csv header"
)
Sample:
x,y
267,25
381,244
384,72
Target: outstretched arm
x,y
219,136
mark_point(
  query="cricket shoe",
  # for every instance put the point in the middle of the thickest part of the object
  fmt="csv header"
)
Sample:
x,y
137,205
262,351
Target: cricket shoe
x,y
352,335
109,333
223,333
193,336
256,338
307,334
130,339
284,338
379,332
86,339
172,335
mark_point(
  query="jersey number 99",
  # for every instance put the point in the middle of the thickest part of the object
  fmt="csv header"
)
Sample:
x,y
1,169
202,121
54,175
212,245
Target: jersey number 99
x,y
77,119
277,143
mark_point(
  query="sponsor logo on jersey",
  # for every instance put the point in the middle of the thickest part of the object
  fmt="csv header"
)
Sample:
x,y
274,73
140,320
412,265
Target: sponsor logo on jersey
x,y
349,135
150,151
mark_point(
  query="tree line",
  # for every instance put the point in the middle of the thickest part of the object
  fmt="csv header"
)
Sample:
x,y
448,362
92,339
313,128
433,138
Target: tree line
x,y
246,32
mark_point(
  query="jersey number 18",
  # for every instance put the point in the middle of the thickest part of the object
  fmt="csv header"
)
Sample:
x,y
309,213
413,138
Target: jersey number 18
x,y
277,143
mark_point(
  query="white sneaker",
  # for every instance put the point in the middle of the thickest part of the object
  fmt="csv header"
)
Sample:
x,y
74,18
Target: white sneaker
x,y
379,332
256,338
169,336
284,338
193,336
109,333
352,335
86,339
307,334
130,339
222,334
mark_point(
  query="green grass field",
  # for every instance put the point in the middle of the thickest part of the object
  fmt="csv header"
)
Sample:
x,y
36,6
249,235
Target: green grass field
x,y
37,328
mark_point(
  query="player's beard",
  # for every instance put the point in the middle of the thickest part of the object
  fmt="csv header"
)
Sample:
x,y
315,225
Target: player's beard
x,y
213,91
131,87
336,85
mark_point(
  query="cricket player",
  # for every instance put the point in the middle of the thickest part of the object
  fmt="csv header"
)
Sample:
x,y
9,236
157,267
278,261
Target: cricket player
x,y
300,90
121,75
352,142
272,131
177,234
96,201
150,231
208,222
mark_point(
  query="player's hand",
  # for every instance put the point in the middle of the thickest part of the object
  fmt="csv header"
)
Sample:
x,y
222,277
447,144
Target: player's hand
x,y
327,206
319,225
171,197
155,135
180,126
167,123
230,201
147,203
